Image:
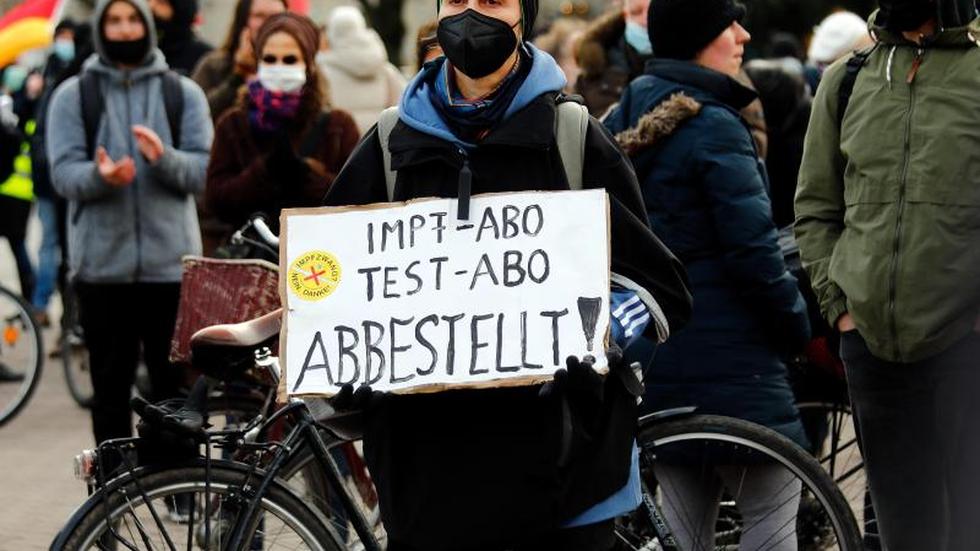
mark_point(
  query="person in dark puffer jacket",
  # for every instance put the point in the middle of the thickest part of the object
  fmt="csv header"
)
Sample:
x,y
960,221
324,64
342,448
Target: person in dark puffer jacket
x,y
705,193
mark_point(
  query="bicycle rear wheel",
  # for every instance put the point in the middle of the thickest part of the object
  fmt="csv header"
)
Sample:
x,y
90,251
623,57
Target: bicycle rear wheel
x,y
21,354
717,483
133,512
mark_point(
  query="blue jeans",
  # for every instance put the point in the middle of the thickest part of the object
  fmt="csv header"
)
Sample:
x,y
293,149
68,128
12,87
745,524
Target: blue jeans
x,y
49,257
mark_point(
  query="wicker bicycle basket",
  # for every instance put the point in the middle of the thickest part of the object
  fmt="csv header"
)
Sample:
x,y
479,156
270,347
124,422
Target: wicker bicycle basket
x,y
215,291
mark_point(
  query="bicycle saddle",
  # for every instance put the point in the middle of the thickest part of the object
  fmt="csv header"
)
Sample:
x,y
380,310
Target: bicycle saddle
x,y
249,333
227,351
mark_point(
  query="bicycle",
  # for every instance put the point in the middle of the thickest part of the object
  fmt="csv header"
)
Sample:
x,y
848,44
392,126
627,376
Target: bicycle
x,y
246,502
21,354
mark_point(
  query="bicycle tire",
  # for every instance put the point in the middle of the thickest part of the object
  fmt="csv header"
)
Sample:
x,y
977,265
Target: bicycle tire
x,y
657,435
20,334
75,365
839,454
74,354
122,499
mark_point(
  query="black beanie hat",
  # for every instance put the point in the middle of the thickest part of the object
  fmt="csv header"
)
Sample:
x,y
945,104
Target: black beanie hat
x,y
529,12
679,29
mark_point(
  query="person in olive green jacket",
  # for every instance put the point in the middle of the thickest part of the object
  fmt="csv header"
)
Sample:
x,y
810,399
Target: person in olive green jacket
x,y
888,223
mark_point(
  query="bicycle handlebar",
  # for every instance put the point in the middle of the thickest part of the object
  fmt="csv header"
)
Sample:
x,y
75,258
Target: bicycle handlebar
x,y
262,228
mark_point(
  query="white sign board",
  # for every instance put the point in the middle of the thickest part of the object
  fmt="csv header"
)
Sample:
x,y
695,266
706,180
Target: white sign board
x,y
406,298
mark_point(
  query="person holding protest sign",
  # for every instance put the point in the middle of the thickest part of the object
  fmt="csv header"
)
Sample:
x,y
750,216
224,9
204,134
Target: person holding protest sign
x,y
282,145
706,194
484,469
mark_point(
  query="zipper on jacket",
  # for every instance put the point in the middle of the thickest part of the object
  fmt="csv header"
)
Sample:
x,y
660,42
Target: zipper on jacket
x,y
899,218
127,86
465,187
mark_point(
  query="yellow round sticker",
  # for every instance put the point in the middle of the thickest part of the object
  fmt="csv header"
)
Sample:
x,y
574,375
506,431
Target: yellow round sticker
x,y
314,275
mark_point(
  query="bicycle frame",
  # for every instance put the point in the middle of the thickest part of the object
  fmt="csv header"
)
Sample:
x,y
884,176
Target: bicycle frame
x,y
305,431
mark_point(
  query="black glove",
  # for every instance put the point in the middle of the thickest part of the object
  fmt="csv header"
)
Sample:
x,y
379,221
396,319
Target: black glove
x,y
623,372
363,399
284,165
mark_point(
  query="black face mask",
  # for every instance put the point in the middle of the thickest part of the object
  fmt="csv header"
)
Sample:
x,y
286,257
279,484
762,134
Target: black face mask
x,y
127,52
906,15
476,44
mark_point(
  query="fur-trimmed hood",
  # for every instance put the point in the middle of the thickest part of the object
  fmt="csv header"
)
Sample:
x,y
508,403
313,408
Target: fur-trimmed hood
x,y
658,124
602,34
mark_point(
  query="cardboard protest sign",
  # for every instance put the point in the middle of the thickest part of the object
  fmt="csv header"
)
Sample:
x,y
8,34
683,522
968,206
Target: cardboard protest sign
x,y
406,298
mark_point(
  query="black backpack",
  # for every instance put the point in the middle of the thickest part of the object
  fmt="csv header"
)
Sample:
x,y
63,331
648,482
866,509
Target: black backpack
x,y
93,104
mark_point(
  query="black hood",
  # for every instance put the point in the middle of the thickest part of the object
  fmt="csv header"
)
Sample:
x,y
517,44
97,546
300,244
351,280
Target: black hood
x,y
180,27
950,14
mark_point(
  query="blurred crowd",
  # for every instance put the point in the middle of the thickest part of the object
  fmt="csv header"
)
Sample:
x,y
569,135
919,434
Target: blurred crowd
x,y
138,143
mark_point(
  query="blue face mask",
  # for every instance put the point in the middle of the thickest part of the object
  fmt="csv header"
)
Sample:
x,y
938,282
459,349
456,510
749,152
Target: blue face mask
x,y
64,50
13,78
638,38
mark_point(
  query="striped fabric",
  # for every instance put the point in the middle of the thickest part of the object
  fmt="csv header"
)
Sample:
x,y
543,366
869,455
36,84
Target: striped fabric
x,y
629,316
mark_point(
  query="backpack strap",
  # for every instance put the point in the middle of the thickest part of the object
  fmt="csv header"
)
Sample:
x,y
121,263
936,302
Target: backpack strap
x,y
571,127
854,65
173,102
93,105
386,123
311,141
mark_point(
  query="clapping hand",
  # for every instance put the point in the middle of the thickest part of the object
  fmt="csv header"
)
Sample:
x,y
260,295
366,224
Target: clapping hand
x,y
149,143
119,173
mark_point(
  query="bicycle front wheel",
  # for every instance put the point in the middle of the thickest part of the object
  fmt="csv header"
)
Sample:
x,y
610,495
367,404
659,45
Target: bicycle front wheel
x,y
21,355
182,508
718,483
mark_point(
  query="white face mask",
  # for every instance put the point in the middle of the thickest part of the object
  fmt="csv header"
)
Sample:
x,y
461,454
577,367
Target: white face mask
x,y
282,78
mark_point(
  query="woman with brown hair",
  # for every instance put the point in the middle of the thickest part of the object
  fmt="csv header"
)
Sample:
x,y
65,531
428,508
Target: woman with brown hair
x,y
280,146
223,71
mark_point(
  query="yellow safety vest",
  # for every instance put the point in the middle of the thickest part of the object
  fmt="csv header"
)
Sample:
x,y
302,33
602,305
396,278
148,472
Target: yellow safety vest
x,y
20,185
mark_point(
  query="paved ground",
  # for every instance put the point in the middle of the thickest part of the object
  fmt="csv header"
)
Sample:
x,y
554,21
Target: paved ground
x,y
37,489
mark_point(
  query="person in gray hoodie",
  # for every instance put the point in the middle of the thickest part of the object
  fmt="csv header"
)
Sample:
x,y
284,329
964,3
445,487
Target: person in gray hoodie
x,y
131,206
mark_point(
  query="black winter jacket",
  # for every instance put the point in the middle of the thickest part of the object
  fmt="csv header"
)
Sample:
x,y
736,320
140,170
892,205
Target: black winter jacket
x,y
481,465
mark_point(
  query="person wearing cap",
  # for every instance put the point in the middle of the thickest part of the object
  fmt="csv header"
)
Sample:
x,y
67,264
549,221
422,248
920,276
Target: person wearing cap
x,y
483,470
887,212
839,34
362,81
131,206
282,145
705,191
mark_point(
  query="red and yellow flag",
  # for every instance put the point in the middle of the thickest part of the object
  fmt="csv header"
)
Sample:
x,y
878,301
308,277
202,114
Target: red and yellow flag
x,y
27,26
